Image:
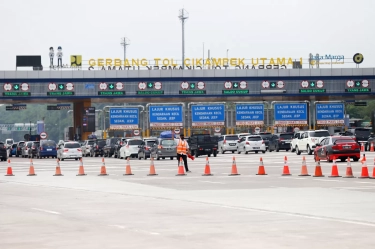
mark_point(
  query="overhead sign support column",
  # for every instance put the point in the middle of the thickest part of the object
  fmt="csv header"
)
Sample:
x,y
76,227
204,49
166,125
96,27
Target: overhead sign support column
x,y
166,116
291,113
329,113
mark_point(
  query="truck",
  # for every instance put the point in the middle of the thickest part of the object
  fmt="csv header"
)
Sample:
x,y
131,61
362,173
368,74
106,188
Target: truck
x,y
203,144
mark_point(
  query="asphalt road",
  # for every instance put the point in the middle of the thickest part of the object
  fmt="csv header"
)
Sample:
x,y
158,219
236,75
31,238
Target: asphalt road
x,y
192,211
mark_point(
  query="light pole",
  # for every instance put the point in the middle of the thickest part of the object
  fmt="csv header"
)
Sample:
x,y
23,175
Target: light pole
x,y
30,127
227,58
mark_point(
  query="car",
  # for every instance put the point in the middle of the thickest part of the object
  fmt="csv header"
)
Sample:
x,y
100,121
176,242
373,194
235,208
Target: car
x,y
203,144
33,150
9,142
3,151
280,141
13,150
130,148
266,136
308,139
97,148
361,135
371,140
109,147
25,149
337,147
118,146
69,150
164,147
144,150
86,146
227,143
47,148
20,144
251,143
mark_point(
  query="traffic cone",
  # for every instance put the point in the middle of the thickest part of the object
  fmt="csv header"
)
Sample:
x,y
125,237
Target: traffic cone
x,y
9,170
286,168
372,147
318,170
103,170
261,170
81,170
349,171
207,170
152,168
181,171
373,172
31,170
128,170
362,147
335,170
304,168
234,168
58,169
364,171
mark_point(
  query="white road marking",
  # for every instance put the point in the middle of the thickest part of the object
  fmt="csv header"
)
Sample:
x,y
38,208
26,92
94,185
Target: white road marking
x,y
213,182
46,211
135,230
327,180
367,182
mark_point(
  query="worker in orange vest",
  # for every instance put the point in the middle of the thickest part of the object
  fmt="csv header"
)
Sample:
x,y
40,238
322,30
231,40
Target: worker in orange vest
x,y
182,149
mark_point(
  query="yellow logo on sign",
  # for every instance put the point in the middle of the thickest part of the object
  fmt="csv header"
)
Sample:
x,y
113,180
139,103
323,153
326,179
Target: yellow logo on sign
x,y
76,60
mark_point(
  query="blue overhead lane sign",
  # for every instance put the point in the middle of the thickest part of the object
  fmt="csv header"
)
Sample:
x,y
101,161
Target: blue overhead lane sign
x,y
290,114
123,118
330,113
208,115
166,116
249,114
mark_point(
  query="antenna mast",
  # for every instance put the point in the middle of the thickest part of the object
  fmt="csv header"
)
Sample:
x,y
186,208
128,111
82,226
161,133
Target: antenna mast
x,y
124,43
183,16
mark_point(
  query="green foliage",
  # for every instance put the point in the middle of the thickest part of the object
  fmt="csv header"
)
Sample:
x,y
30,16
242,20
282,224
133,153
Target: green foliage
x,y
361,112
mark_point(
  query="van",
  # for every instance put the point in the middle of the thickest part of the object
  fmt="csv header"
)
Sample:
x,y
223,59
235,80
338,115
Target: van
x,y
47,148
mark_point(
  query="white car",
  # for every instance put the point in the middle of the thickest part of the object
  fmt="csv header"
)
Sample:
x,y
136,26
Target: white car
x,y
308,140
251,143
130,148
86,147
69,150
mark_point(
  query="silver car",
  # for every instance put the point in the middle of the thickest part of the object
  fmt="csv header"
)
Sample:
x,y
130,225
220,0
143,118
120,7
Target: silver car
x,y
86,146
69,150
227,143
163,148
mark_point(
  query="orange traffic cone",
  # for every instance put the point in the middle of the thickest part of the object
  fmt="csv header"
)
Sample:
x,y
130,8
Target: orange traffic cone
x,y
335,170
373,172
128,170
81,170
181,171
152,168
207,170
286,168
304,168
261,170
103,170
349,171
9,170
364,171
362,147
372,147
31,170
318,169
58,169
234,168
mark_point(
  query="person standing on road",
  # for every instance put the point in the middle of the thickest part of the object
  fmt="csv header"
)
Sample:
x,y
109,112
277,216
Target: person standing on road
x,y
182,149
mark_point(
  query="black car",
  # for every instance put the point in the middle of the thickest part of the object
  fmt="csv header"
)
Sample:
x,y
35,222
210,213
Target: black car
x,y
33,150
97,148
3,151
280,141
145,148
371,140
109,148
362,135
266,136
19,148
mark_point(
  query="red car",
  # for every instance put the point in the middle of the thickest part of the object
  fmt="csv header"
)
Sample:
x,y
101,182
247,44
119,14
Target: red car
x,y
339,147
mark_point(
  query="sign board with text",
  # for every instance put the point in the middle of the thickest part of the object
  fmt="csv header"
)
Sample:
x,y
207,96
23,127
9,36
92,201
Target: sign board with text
x,y
123,118
330,113
290,113
208,115
166,116
249,114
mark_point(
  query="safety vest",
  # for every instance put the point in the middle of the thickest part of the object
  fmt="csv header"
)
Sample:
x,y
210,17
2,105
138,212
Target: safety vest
x,y
182,147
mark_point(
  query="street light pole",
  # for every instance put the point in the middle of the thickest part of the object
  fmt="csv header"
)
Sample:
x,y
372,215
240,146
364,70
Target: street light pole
x,y
30,127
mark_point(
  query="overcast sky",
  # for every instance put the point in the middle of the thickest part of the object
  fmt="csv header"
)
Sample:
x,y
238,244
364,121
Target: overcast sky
x,y
248,28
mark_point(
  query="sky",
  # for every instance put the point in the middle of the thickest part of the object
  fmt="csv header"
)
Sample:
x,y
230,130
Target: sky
x,y
241,28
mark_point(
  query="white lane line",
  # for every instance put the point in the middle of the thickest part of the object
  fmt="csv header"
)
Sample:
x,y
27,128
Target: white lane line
x,y
135,230
367,182
46,211
324,180
213,182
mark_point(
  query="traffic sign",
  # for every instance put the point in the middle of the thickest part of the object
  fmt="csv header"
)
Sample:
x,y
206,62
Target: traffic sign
x,y
192,85
201,85
296,129
357,83
61,87
243,84
305,84
290,112
228,85
249,114
208,114
7,86
184,85
350,83
365,83
119,86
157,85
142,85
235,85
52,86
24,86
280,84
330,111
273,84
123,118
102,85
136,132
150,85
43,135
111,86
257,130
16,87
177,131
319,84
165,115
69,86
265,84
217,129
